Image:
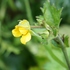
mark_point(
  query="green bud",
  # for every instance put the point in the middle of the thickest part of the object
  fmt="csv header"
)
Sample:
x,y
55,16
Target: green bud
x,y
45,34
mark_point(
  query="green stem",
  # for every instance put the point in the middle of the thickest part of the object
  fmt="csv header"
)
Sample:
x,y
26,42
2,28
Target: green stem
x,y
3,9
12,5
64,50
0,31
0,37
28,10
36,27
55,58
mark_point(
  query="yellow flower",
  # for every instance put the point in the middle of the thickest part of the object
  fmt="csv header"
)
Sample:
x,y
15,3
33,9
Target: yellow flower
x,y
22,29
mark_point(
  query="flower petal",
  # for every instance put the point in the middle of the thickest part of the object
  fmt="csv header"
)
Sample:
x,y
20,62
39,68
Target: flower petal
x,y
24,23
23,30
25,38
16,32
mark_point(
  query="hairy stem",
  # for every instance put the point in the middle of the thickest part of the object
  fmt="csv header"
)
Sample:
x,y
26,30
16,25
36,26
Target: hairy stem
x,y
36,27
64,50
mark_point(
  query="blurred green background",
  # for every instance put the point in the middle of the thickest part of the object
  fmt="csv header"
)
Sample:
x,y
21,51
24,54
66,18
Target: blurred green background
x,y
14,55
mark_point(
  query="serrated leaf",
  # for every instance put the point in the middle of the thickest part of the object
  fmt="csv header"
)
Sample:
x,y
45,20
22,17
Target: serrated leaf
x,y
51,16
40,19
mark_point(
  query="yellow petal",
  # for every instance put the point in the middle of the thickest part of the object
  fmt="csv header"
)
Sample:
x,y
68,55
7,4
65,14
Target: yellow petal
x,y
25,38
16,32
23,21
23,30
24,24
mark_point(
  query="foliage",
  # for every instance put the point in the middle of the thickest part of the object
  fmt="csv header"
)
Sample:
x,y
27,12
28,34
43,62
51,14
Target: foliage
x,y
35,55
51,16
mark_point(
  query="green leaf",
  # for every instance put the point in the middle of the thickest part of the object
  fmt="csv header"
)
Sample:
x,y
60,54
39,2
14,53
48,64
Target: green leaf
x,y
53,66
40,19
51,16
